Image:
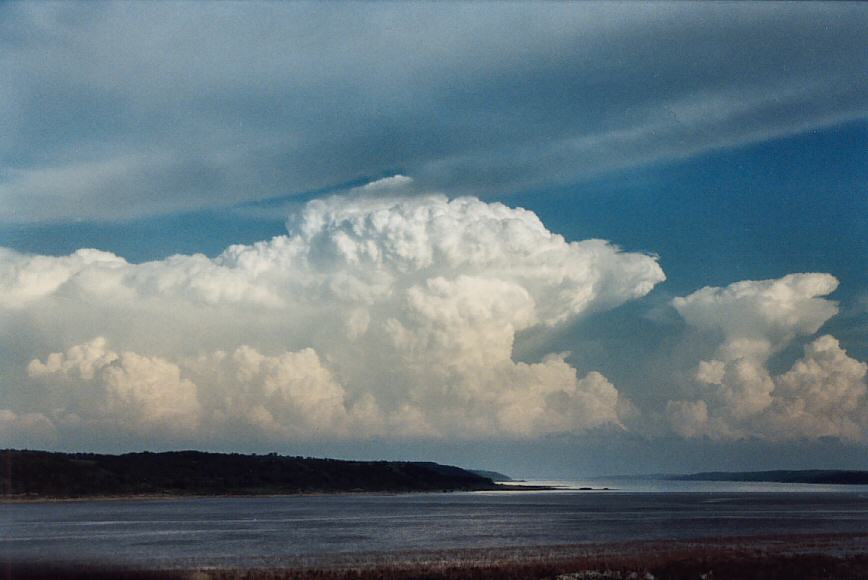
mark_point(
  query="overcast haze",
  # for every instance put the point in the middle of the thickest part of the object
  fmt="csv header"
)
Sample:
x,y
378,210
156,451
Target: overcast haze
x,y
548,239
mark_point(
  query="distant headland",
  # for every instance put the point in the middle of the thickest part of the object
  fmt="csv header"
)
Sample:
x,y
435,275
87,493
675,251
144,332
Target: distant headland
x,y
823,476
816,476
34,475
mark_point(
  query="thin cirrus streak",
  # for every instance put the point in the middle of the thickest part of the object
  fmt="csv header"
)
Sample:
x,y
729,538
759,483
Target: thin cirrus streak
x,y
116,111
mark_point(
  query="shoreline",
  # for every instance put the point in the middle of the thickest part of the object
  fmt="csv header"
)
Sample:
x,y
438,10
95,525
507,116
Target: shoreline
x,y
808,556
178,496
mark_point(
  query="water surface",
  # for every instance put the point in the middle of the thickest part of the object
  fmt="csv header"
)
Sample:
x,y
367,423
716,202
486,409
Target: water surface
x,y
264,531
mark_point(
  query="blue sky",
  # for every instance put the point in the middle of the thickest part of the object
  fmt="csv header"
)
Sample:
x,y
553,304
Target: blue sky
x,y
723,144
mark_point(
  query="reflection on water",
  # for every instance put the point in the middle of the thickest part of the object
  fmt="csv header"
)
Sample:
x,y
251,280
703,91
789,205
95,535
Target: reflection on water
x,y
261,531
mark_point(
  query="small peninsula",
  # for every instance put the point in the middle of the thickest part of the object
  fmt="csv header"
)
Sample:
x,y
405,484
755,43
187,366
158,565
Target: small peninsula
x,y
492,475
35,475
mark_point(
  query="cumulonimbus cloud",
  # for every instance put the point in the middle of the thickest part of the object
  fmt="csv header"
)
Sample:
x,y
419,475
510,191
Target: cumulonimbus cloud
x,y
372,317
823,394
391,317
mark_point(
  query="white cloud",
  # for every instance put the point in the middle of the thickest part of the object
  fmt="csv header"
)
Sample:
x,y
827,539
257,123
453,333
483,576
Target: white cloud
x,y
774,311
25,279
688,418
372,317
122,391
26,429
822,395
287,396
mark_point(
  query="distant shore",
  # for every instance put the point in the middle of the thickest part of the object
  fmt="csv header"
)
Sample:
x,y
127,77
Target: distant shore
x,y
807,557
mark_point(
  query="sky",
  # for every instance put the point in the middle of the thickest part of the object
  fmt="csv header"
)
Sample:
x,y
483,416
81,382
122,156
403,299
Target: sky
x,y
555,240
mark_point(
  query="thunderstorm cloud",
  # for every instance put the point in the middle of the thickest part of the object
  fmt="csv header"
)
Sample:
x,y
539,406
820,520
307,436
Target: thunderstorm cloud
x,y
372,317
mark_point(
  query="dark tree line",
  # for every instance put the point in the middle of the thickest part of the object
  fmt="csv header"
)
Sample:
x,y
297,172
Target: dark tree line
x,y
45,474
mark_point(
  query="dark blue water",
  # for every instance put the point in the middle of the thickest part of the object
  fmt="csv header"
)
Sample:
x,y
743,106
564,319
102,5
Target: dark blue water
x,y
265,531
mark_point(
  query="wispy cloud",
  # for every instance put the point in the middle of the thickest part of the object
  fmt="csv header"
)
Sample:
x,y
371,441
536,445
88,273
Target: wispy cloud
x,y
119,111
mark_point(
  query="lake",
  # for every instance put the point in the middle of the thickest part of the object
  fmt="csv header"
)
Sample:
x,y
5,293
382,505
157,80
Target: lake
x,y
269,531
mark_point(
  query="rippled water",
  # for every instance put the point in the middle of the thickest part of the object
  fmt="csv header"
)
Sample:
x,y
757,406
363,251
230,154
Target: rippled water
x,y
264,530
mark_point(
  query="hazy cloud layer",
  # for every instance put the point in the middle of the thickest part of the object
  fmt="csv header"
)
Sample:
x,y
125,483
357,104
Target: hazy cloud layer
x,y
373,317
119,110
822,395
